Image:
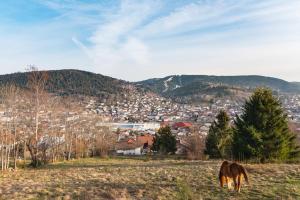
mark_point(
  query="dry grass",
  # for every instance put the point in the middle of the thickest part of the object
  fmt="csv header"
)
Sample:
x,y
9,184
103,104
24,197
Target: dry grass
x,y
138,179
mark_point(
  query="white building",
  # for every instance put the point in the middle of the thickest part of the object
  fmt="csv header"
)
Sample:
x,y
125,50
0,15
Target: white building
x,y
136,151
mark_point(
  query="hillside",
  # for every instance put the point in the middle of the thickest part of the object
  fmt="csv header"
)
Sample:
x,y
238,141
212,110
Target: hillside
x,y
193,86
296,83
183,88
72,82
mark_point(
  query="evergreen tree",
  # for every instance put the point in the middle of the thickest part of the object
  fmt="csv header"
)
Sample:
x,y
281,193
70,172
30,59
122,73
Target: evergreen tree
x,y
218,140
164,141
262,130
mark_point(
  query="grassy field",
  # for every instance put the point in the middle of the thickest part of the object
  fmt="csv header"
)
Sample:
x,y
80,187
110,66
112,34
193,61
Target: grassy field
x,y
142,179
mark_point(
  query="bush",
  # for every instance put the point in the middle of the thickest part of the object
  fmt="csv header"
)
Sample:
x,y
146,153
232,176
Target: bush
x,y
195,147
164,141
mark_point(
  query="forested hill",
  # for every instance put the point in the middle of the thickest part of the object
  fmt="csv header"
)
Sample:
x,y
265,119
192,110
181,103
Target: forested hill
x,y
296,83
187,84
67,82
72,82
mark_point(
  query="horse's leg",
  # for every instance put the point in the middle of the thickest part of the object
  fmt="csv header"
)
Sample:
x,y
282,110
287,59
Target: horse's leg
x,y
228,182
239,183
222,181
235,182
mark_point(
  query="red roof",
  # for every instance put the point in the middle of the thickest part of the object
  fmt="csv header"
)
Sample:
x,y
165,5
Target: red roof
x,y
132,144
145,139
183,125
130,141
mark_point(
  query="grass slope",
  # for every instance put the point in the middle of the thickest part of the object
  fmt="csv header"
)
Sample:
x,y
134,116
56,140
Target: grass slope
x,y
141,179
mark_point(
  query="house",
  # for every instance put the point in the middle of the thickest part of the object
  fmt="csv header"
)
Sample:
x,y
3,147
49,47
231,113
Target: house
x,y
182,125
146,139
138,146
129,149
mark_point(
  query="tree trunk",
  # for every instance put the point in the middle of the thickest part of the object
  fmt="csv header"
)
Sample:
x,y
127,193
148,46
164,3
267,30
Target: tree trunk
x,y
8,156
24,153
2,156
5,153
16,156
15,147
70,148
33,154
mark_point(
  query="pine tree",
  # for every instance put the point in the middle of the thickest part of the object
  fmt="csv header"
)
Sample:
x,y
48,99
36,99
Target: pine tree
x,y
262,130
164,141
218,140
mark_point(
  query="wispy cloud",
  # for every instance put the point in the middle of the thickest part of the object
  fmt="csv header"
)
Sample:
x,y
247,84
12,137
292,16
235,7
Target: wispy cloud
x,y
114,44
134,40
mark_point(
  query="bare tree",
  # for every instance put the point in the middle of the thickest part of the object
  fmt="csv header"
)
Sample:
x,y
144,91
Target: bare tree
x,y
37,97
50,127
195,145
10,101
105,141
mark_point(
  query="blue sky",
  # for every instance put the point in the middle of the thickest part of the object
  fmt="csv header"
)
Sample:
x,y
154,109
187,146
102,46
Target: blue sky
x,y
136,39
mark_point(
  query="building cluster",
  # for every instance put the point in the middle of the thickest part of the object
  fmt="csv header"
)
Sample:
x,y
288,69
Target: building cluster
x,y
143,108
153,108
136,118
137,139
291,103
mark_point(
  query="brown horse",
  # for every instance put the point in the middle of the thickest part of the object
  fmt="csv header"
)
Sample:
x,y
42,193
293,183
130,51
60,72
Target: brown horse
x,y
232,172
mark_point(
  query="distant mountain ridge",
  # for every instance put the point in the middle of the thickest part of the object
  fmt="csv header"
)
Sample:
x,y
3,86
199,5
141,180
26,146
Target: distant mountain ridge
x,y
177,87
194,86
175,82
296,83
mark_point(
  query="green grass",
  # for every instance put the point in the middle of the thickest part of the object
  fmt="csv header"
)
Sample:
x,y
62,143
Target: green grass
x,y
140,178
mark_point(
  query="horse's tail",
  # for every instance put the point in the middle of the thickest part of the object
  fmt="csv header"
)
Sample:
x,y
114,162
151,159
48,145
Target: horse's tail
x,y
245,174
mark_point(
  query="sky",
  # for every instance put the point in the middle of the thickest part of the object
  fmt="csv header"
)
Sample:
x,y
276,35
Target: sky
x,y
136,39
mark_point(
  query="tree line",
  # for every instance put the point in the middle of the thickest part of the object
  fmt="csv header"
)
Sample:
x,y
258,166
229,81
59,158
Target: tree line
x,y
41,127
261,133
